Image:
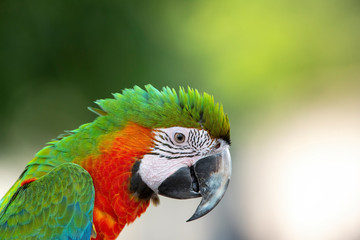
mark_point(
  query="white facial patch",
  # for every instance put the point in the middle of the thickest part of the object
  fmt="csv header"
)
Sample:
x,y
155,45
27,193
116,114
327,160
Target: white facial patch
x,y
172,152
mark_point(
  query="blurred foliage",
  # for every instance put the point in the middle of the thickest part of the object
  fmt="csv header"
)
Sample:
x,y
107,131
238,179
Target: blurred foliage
x,y
56,57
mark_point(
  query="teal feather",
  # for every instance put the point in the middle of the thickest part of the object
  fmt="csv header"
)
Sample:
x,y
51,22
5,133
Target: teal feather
x,y
51,207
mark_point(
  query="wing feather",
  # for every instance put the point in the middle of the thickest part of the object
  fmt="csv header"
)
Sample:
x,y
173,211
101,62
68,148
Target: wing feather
x,y
58,205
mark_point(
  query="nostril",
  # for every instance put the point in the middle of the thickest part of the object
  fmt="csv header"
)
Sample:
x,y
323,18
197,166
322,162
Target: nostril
x,y
194,183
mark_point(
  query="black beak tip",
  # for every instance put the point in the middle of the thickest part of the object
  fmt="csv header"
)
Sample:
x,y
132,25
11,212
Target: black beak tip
x,y
193,217
199,213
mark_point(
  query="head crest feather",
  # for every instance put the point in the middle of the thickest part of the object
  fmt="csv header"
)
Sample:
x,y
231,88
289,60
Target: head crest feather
x,y
152,108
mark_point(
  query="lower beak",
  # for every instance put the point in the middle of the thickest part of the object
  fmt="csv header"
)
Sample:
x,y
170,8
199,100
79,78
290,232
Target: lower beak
x,y
208,178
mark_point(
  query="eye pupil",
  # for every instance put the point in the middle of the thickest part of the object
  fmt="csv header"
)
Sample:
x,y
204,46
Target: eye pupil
x,y
179,137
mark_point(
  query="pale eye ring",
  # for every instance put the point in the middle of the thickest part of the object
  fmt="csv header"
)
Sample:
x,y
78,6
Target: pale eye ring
x,y
179,137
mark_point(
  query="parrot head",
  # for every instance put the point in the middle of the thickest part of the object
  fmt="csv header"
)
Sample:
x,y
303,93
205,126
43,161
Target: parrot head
x,y
188,156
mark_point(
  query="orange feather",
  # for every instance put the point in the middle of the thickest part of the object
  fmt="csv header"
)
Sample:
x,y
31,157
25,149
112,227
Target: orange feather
x,y
115,206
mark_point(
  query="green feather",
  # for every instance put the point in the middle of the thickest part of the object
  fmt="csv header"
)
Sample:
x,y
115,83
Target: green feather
x,y
160,109
55,206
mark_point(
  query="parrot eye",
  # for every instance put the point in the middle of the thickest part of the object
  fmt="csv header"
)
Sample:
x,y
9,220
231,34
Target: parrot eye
x,y
218,145
179,137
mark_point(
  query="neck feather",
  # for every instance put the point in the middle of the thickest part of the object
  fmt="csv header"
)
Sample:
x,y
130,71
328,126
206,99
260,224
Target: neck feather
x,y
111,169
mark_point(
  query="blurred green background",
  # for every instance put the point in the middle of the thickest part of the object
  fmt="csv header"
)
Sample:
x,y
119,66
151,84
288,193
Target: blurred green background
x,y
259,58
57,57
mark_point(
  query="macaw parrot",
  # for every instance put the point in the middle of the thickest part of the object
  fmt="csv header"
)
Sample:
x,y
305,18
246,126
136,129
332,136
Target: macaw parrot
x,y
92,181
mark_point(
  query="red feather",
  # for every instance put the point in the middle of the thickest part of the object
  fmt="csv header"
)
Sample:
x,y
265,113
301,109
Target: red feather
x,y
28,181
115,206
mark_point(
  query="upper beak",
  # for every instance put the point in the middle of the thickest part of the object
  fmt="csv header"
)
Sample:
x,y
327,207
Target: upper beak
x,y
209,177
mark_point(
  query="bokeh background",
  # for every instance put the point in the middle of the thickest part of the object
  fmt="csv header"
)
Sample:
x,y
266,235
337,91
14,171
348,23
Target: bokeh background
x,y
287,73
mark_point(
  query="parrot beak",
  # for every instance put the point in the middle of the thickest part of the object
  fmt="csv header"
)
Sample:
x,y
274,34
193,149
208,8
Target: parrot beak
x,y
208,178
